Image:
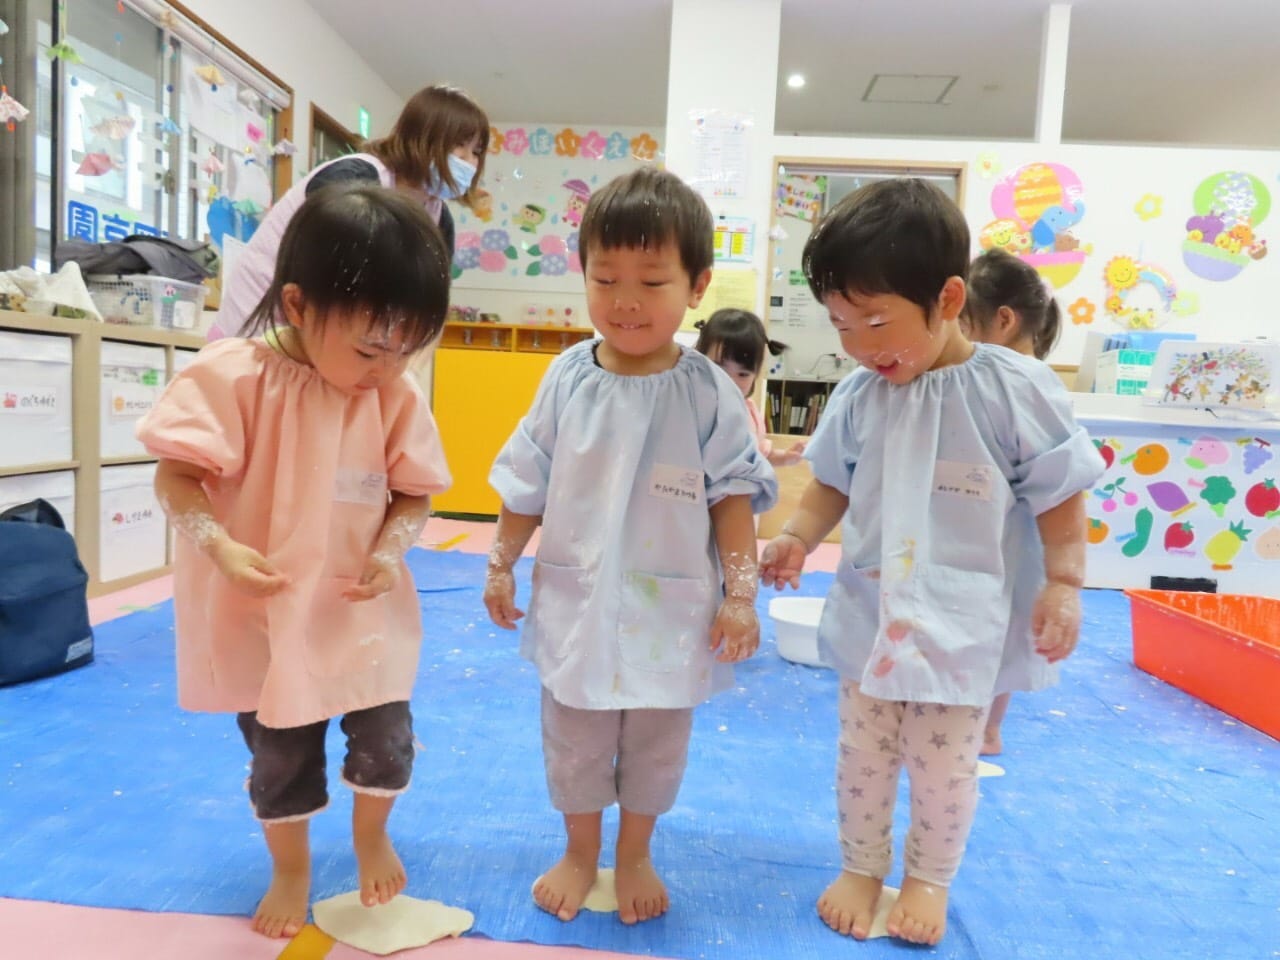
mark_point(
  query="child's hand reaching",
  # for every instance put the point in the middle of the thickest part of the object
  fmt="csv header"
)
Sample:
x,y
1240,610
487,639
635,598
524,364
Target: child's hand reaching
x,y
248,570
1055,621
500,597
782,561
789,457
736,630
381,574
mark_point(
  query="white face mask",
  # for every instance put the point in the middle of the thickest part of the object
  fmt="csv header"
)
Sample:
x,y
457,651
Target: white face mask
x,y
463,173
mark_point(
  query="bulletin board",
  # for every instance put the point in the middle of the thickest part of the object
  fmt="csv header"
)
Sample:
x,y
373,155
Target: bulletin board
x,y
523,233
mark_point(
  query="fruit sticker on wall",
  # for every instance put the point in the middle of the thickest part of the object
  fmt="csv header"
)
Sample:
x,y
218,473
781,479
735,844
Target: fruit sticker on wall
x,y
1225,544
1036,207
1263,500
1113,492
1267,546
1136,542
1257,454
1148,460
1206,452
1170,497
1217,492
1098,530
1178,537
1106,450
1222,234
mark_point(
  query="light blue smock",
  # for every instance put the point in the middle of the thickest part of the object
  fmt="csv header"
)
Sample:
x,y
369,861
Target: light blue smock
x,y
623,471
944,476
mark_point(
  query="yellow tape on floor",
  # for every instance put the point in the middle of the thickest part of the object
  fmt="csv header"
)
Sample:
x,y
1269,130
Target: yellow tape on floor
x,y
311,943
451,542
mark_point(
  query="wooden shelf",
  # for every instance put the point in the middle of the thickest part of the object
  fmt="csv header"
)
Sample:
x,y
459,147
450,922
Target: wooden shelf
x,y
87,462
512,337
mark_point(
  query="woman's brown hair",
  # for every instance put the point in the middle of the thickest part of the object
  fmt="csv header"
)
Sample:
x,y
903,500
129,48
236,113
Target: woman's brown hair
x,y
434,121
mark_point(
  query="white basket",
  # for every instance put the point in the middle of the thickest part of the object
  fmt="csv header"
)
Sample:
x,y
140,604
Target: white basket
x,y
795,625
148,301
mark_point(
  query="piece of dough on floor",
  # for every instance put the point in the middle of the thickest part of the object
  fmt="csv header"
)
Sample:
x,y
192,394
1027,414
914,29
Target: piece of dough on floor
x,y
403,923
879,925
986,769
602,897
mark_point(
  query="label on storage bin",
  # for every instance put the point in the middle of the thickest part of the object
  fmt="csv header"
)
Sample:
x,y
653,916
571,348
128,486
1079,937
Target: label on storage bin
x,y
29,401
80,648
184,315
131,400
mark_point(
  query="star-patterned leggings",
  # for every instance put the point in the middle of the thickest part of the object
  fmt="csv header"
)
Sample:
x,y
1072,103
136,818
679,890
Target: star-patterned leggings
x,y
939,745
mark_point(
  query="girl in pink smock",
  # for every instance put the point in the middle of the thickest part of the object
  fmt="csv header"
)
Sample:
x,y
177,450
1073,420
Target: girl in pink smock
x,y
299,466
736,341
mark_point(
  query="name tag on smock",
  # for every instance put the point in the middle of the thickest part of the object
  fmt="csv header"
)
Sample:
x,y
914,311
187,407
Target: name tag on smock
x,y
973,481
677,483
359,486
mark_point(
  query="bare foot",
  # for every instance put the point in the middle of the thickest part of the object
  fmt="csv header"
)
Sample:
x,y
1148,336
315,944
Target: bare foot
x,y
561,890
282,911
641,893
382,874
849,905
920,915
992,745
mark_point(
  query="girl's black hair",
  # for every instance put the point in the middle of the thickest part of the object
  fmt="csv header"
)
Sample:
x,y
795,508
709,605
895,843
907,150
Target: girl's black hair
x,y
999,279
740,336
363,248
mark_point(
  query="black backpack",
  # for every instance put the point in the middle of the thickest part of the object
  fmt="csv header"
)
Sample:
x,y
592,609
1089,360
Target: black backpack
x,y
44,616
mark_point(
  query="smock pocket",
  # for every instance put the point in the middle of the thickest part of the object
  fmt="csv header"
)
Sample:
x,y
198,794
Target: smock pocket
x,y
557,607
958,619
344,636
664,623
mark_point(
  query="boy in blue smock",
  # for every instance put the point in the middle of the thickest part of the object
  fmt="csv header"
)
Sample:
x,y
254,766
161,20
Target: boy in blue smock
x,y
639,461
929,452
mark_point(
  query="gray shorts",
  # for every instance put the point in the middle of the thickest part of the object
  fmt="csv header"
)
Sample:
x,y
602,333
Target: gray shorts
x,y
287,775
595,758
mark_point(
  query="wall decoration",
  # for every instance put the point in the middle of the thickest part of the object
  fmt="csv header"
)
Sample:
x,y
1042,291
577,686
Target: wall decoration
x,y
800,196
1036,207
988,165
1082,310
1149,207
1216,375
96,165
1267,546
284,147
1257,454
1140,295
521,231
211,75
11,111
1222,234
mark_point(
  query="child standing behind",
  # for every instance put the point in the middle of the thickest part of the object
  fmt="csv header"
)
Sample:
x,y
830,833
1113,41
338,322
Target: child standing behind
x,y
1009,305
736,340
299,468
925,452
638,460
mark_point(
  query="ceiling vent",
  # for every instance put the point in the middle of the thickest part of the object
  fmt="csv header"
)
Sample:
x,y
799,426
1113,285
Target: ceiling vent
x,y
908,88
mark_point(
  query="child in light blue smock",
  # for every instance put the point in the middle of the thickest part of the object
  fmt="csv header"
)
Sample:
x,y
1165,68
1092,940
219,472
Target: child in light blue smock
x,y
929,453
640,463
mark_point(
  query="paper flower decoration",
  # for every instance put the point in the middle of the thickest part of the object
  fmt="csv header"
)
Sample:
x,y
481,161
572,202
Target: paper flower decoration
x,y
1186,303
212,165
284,148
1149,207
11,111
644,147
988,165
95,165
114,128
211,75
65,52
1082,311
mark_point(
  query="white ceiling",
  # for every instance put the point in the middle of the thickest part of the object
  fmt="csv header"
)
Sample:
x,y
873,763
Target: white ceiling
x,y
1158,71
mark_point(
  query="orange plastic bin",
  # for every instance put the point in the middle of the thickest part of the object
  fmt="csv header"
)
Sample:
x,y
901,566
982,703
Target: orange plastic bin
x,y
1222,648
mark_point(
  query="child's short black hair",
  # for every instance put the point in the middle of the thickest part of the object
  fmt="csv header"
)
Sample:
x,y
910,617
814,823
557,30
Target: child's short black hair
x,y
367,248
999,279
901,236
648,208
740,337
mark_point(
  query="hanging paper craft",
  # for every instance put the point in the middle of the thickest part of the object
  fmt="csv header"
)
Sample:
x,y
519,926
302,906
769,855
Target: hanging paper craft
x,y
248,98
167,126
211,75
212,165
254,132
114,128
284,148
11,111
65,52
96,164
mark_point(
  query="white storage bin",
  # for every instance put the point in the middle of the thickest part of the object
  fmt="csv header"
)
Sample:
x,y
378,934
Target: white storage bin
x,y
132,377
146,300
182,359
795,624
35,399
58,488
131,526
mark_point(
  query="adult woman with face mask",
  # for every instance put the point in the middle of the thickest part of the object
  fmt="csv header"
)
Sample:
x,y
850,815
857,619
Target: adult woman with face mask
x,y
434,152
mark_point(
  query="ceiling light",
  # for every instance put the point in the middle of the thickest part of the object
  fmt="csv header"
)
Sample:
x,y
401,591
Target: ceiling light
x,y
795,81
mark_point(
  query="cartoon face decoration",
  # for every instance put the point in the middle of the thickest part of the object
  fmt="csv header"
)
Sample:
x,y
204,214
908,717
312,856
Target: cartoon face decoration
x,y
529,217
576,208
482,206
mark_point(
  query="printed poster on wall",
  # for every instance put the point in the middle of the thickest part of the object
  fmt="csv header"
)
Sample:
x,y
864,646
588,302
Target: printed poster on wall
x,y
721,154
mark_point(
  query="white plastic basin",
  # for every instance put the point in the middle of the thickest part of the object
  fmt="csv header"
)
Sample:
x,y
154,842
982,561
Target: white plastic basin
x,y
795,624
